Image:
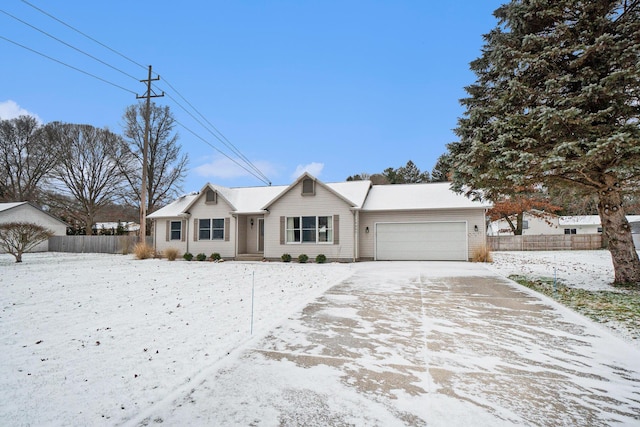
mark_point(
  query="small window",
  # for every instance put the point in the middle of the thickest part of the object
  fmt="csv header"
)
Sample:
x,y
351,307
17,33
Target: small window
x,y
525,224
570,231
308,187
176,230
599,229
211,196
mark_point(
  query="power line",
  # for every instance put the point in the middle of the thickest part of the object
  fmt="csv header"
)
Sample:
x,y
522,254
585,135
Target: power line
x,y
85,35
224,139
67,44
223,153
67,65
237,152
217,134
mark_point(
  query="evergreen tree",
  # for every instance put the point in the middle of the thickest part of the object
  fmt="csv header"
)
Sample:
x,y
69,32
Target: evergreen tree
x,y
442,170
557,102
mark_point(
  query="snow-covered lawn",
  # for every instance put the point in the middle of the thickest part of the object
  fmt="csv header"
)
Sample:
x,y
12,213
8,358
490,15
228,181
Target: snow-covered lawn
x,y
591,270
91,335
91,339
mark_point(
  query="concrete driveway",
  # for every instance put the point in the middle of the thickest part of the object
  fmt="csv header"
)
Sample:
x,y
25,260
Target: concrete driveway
x,y
439,344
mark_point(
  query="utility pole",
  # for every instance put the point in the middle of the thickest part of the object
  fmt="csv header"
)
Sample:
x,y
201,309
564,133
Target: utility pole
x,y
147,118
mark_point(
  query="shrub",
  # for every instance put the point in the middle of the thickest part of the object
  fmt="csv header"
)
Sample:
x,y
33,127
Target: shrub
x,y
171,254
302,258
285,258
201,257
187,256
321,259
482,254
215,256
143,251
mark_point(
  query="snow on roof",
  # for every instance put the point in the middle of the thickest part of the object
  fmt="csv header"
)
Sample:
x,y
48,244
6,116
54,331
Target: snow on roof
x,y
7,206
249,199
418,196
589,219
127,225
174,208
354,191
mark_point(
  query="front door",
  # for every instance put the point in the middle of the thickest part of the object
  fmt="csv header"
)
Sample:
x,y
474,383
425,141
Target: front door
x,y
260,234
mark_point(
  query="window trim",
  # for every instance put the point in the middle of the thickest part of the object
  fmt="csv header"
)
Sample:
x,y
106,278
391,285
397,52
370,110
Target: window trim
x,y
298,231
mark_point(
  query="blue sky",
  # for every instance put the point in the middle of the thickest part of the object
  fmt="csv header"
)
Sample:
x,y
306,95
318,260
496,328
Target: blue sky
x,y
332,87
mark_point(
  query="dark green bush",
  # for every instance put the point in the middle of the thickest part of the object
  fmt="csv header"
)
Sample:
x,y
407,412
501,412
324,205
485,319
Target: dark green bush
x,y
285,258
302,258
188,256
321,259
201,257
215,256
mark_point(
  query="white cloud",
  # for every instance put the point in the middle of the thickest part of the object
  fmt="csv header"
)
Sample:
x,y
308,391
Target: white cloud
x,y
223,168
313,168
10,110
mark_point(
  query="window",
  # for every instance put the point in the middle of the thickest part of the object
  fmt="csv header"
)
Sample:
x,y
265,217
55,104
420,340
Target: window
x,y
570,231
525,224
176,230
211,197
211,229
204,229
599,229
217,229
308,187
309,229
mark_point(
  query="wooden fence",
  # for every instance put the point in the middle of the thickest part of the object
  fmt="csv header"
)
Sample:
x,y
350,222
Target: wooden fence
x,y
95,244
554,242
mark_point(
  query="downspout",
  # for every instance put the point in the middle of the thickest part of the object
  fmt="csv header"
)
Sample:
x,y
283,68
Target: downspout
x,y
186,216
235,243
356,235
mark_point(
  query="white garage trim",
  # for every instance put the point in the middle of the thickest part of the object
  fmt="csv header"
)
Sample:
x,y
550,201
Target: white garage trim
x,y
421,241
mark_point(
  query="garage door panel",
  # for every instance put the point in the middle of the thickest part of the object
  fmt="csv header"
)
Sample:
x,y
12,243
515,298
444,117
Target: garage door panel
x,y
421,241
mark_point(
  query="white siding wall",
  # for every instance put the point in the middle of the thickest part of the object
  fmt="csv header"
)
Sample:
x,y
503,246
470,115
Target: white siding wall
x,y
323,203
27,213
201,210
160,236
472,216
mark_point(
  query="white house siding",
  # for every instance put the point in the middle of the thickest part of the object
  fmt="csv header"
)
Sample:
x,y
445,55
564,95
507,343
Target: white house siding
x,y
323,203
28,213
160,236
220,210
473,217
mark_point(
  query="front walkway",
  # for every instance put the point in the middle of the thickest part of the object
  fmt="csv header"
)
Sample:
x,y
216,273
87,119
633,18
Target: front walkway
x,y
439,344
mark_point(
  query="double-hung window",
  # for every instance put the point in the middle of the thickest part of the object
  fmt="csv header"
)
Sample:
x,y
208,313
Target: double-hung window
x,y
211,229
309,229
176,230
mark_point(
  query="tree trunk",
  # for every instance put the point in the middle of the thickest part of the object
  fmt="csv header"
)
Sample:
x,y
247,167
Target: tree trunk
x,y
617,231
18,256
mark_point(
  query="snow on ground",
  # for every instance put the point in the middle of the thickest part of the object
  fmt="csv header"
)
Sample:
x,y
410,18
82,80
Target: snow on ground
x,y
91,339
591,270
86,337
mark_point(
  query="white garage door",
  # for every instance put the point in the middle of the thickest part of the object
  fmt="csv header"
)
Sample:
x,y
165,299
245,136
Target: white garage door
x,y
422,241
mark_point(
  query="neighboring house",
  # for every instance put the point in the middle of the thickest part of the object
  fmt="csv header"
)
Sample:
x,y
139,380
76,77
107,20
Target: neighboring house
x,y
573,224
26,212
344,221
128,227
531,225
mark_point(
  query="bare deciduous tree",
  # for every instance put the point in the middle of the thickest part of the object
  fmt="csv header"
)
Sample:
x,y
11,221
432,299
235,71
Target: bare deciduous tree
x,y
17,238
88,167
25,159
166,166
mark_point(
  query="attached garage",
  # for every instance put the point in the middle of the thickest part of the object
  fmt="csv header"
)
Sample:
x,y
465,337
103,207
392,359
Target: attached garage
x,y
421,241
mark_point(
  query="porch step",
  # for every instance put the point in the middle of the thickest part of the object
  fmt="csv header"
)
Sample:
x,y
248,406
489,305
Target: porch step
x,y
249,257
